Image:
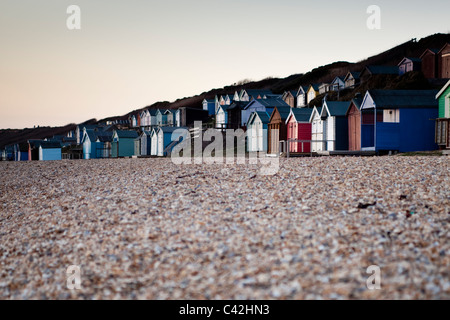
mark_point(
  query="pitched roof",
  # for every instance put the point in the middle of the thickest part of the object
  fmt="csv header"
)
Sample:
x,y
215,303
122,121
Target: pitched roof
x,y
45,144
104,138
236,104
443,90
304,88
127,134
145,132
445,46
256,92
433,51
337,108
382,69
264,116
90,126
302,114
338,78
170,129
314,86
284,112
272,102
385,99
357,101
319,111
91,134
355,75
224,107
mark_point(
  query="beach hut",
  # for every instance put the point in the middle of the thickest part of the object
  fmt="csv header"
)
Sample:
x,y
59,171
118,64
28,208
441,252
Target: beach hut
x,y
33,150
354,124
430,63
443,121
104,145
189,115
409,65
145,118
166,139
257,131
317,130
160,119
177,117
312,93
134,121
169,118
299,128
146,143
210,106
123,143
154,142
50,151
89,144
21,152
337,84
137,146
404,120
335,124
352,80
277,130
324,88
290,97
301,97
222,117
444,62
234,114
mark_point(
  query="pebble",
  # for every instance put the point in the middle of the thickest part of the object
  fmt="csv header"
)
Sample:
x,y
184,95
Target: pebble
x,y
148,229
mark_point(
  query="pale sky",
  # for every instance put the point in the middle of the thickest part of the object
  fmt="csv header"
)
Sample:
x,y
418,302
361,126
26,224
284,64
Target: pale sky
x,y
130,54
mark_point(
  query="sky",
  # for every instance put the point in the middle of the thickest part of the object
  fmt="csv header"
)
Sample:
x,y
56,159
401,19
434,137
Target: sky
x,y
130,54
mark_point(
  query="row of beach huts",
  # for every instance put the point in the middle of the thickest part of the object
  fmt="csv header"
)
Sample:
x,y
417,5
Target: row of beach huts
x,y
376,121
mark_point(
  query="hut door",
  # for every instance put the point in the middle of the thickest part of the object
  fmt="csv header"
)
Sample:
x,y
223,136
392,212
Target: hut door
x,y
259,138
160,146
254,137
352,132
275,140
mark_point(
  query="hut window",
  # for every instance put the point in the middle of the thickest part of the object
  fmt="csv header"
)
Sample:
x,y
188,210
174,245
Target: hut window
x,y
391,116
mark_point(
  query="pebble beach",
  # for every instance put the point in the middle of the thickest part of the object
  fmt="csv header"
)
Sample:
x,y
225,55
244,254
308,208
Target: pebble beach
x,y
150,229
